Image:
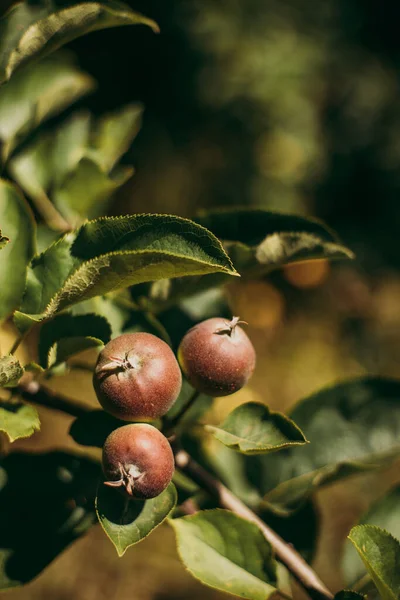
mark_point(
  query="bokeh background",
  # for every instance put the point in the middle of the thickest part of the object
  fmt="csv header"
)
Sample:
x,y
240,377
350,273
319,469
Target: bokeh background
x,y
289,105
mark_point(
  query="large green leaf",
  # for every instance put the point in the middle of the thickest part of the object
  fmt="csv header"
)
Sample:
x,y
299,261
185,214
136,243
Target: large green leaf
x,y
385,514
259,240
228,553
18,225
18,420
352,427
253,429
30,30
380,552
46,502
73,166
68,334
112,253
35,94
127,522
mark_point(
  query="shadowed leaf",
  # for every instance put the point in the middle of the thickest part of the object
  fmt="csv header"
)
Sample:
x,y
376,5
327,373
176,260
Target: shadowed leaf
x,y
68,334
127,522
30,30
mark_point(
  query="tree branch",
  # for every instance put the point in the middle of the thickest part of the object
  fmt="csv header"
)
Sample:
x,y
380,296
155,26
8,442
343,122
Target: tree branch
x,y
302,572
297,566
36,393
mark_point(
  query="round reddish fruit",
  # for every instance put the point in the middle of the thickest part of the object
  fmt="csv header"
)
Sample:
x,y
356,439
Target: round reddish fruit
x,y
137,377
138,460
217,357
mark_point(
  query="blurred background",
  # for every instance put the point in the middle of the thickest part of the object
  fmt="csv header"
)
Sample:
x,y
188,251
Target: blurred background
x,y
289,105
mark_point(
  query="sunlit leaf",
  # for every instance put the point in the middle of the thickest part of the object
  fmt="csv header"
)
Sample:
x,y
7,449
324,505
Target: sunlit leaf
x,y
385,513
227,553
18,420
112,253
253,429
380,552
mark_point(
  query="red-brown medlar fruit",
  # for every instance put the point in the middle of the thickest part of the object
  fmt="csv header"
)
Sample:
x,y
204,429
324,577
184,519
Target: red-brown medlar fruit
x,y
217,357
138,460
137,377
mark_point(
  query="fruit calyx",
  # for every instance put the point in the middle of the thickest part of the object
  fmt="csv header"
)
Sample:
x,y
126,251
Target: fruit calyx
x,y
129,476
230,326
121,364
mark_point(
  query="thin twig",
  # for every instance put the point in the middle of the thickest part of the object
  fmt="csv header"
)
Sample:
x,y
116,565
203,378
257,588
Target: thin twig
x,y
16,344
304,574
36,393
49,213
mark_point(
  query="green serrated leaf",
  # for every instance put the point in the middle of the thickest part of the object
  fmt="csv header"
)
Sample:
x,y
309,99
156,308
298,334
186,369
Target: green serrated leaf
x,y
353,427
127,522
384,513
259,241
29,30
18,420
227,553
380,552
69,334
11,371
37,93
18,225
253,429
115,252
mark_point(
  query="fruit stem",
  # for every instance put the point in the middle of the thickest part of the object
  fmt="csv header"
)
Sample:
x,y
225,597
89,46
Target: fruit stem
x,y
170,424
295,563
230,326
